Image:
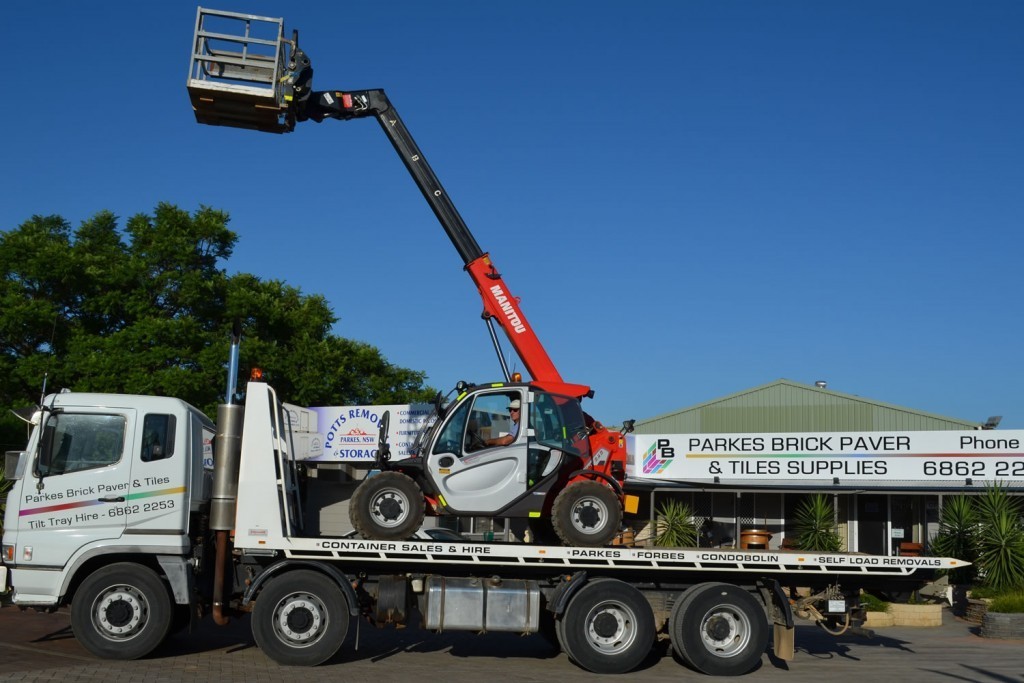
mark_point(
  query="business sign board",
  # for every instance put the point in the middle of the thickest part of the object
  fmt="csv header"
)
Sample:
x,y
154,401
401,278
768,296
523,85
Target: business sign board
x,y
940,459
351,433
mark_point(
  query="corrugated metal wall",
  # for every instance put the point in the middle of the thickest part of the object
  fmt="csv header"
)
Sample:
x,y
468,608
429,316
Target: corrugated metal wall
x,y
785,406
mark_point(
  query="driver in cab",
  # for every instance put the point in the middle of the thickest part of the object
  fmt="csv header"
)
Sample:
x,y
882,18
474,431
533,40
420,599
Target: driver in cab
x,y
514,411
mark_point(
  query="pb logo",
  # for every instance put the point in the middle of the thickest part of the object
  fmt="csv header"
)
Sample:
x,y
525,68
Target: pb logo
x,y
658,457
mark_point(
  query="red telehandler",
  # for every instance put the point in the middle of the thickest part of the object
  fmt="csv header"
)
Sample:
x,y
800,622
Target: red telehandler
x,y
562,470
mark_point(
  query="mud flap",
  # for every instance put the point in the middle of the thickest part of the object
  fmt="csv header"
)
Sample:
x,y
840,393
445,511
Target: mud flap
x,y
783,644
782,615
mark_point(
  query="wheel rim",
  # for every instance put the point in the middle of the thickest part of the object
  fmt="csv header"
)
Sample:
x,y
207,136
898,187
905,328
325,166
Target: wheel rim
x,y
589,515
389,508
725,631
300,619
611,627
120,613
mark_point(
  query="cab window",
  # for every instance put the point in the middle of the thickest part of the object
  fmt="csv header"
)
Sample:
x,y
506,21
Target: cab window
x,y
558,422
72,443
157,437
491,419
450,440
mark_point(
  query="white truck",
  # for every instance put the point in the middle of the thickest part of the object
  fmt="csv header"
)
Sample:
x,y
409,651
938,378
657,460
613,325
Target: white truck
x,y
112,512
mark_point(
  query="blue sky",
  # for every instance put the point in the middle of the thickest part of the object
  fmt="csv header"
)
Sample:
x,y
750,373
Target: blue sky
x,y
690,198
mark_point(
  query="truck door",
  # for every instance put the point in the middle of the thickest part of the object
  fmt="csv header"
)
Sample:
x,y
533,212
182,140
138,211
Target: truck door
x,y
77,491
469,464
159,475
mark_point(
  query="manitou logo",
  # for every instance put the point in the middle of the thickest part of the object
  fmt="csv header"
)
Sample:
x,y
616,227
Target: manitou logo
x,y
506,308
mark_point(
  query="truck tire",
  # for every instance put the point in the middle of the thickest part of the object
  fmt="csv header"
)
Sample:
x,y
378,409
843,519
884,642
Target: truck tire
x,y
608,627
719,629
300,618
122,611
387,507
586,514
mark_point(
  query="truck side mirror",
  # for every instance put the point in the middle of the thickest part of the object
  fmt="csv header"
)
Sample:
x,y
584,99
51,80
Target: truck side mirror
x,y
44,450
14,465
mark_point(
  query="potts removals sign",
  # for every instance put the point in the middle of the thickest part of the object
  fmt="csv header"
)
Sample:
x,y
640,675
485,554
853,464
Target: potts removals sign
x,y
943,459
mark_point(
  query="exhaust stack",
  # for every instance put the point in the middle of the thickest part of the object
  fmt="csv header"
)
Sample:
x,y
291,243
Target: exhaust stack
x,y
227,454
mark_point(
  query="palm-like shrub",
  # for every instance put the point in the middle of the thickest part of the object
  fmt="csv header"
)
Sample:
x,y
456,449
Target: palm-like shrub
x,y
988,531
815,527
1001,543
958,537
674,526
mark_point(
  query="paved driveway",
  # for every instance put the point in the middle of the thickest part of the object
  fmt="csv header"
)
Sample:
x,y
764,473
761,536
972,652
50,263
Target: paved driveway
x,y
40,647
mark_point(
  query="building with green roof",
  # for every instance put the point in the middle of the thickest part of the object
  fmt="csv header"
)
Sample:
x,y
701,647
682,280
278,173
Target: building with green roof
x,y
886,519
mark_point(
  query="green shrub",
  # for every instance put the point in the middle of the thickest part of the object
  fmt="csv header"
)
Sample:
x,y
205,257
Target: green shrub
x,y
988,531
1001,543
674,527
873,604
815,525
958,537
1007,602
979,592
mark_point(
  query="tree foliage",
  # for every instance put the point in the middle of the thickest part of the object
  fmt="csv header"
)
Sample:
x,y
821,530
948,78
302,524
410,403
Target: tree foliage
x,y
148,309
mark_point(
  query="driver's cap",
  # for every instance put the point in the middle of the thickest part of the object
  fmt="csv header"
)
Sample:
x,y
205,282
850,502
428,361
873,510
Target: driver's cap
x,y
514,405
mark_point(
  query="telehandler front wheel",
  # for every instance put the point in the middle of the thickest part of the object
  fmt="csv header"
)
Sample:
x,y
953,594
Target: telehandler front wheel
x,y
387,507
586,514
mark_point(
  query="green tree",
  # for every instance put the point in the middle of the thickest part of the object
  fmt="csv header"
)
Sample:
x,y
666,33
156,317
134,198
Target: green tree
x,y
148,309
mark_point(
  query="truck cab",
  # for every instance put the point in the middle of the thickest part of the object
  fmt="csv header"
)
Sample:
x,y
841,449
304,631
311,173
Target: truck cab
x,y
102,475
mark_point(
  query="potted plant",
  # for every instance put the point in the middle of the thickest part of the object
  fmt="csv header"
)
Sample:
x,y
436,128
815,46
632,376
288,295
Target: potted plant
x,y
1005,616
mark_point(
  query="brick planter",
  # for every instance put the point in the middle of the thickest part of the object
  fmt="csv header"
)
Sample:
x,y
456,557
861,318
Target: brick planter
x,y
915,615
878,620
976,610
1002,625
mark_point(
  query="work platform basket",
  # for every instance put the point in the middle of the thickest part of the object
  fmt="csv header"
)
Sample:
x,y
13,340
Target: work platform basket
x,y
236,73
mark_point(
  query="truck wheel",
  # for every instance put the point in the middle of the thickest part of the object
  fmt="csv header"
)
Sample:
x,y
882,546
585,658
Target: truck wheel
x,y
122,611
387,507
300,619
586,513
719,629
608,627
